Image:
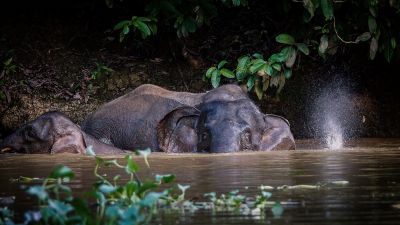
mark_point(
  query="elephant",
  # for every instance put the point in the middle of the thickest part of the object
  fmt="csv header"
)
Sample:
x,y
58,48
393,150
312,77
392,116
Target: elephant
x,y
221,120
53,132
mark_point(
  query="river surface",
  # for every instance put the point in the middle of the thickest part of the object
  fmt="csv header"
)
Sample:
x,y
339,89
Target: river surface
x,y
370,166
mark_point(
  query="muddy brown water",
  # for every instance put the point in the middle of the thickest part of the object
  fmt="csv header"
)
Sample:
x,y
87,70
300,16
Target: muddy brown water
x,y
371,167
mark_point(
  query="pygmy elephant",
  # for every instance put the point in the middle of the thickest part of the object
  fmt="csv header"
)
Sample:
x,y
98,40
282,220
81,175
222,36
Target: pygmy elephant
x,y
221,120
53,132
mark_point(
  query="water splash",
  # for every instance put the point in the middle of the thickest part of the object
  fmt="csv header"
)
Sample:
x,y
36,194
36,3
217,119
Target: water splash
x,y
334,134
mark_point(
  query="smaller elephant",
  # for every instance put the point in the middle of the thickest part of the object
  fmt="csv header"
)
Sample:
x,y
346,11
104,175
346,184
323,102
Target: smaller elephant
x,y
53,132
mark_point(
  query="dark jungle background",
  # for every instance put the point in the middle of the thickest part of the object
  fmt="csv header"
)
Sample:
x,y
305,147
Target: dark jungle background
x,y
339,57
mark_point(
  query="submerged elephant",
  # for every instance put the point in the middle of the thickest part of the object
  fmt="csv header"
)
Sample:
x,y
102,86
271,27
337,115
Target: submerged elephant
x,y
53,132
221,120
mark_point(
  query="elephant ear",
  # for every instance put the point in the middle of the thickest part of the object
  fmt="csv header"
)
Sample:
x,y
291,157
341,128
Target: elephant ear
x,y
68,137
277,134
176,132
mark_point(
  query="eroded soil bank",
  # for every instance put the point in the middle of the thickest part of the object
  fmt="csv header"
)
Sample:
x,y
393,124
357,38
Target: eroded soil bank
x,y
57,47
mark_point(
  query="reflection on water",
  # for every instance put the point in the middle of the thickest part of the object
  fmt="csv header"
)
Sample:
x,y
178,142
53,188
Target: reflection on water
x,y
371,167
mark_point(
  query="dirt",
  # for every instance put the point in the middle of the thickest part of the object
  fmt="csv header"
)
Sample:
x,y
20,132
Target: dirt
x,y
57,52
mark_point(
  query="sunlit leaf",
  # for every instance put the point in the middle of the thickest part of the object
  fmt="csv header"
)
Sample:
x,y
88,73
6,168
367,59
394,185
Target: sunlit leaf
x,y
277,210
287,73
303,48
285,39
145,153
291,52
250,83
105,188
222,64
61,171
227,73
215,78
39,192
373,48
363,37
210,71
323,45
309,6
167,178
122,24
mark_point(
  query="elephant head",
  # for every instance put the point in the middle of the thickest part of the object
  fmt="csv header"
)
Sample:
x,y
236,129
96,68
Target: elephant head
x,y
223,126
52,132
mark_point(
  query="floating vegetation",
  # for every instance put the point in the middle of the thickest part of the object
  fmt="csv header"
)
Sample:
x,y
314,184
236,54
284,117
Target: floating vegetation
x,y
111,201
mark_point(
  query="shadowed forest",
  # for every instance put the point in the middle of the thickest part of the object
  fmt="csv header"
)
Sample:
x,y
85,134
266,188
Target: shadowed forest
x,y
73,56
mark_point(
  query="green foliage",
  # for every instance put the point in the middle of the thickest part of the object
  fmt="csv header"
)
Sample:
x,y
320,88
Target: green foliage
x,y
145,25
259,73
9,67
186,16
100,71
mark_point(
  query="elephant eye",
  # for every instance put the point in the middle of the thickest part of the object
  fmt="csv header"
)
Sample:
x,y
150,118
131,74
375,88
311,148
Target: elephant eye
x,y
205,135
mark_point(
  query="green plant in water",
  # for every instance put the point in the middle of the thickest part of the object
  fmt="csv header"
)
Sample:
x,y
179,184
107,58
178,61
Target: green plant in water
x,y
112,201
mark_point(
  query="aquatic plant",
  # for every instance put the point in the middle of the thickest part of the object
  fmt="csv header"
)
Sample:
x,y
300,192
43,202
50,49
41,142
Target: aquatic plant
x,y
111,201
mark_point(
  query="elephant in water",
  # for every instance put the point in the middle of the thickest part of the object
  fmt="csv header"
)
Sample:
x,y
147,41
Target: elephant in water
x,y
221,120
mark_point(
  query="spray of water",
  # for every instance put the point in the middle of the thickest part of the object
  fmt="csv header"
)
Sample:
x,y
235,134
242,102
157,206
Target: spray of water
x,y
334,134
334,116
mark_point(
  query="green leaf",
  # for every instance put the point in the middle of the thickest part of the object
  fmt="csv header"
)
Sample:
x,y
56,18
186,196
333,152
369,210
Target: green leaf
x,y
106,189
291,56
277,66
388,52
373,48
269,70
258,89
143,28
285,39
393,42
257,64
151,199
131,166
215,78
227,73
125,30
372,24
277,57
258,56
277,210
122,24
145,153
243,63
323,46
309,6
303,48
222,64
236,2
60,207
250,82
363,37
39,192
167,178
327,9
287,73
61,171
210,71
